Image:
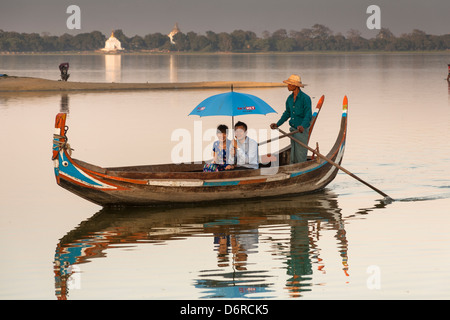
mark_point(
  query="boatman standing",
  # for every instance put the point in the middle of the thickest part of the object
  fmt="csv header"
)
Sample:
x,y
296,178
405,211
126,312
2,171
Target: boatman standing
x,y
298,109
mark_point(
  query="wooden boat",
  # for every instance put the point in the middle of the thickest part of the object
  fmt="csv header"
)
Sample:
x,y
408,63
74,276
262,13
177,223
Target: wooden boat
x,y
166,184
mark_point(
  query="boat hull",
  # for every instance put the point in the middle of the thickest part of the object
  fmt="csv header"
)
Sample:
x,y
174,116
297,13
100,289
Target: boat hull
x,y
129,194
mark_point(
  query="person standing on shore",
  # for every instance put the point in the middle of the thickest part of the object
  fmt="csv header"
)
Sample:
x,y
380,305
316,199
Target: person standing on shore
x,y
298,109
448,76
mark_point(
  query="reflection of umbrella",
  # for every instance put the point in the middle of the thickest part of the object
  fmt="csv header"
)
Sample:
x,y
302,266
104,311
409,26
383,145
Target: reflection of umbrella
x,y
233,288
232,104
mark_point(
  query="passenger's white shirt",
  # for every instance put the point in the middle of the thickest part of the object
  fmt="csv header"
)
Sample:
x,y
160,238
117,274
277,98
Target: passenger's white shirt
x,y
247,154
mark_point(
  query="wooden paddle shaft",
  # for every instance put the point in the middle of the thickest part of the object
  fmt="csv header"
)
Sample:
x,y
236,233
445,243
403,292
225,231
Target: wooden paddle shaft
x,y
336,165
277,138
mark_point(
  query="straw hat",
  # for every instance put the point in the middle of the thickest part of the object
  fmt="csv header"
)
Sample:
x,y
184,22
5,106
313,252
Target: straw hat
x,y
295,80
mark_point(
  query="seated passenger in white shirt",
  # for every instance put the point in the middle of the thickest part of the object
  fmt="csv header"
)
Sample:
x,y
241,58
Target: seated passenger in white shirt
x,y
246,155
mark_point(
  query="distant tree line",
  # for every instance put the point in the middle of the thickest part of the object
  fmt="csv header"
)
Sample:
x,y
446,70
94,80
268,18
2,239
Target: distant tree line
x,y
316,38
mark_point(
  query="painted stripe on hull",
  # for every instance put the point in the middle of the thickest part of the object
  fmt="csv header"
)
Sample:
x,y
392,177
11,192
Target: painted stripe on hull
x,y
220,183
67,169
175,183
296,174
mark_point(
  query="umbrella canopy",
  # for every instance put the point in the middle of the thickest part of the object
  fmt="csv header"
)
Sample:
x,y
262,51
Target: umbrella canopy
x,y
232,104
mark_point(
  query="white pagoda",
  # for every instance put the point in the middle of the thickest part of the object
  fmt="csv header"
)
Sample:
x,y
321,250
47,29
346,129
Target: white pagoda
x,y
112,44
174,31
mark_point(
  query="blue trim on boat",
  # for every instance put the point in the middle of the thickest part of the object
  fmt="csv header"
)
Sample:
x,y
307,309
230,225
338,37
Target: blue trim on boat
x,y
73,172
220,183
295,174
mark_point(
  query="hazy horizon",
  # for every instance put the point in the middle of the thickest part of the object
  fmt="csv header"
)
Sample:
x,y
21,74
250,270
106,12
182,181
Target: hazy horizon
x,y
139,17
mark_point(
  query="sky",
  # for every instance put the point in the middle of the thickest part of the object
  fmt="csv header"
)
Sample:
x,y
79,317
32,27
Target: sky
x,y
142,17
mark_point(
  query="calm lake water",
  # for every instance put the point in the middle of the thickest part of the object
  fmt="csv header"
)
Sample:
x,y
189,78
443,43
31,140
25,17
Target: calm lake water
x,y
342,243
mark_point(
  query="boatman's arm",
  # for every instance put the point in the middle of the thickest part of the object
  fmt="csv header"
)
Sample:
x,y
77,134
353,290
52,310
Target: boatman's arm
x,y
286,115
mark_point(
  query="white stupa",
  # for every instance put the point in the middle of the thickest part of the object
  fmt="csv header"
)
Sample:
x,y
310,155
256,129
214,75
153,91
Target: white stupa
x,y
174,31
112,44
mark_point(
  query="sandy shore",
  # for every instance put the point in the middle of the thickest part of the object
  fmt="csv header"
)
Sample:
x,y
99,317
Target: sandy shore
x,y
25,84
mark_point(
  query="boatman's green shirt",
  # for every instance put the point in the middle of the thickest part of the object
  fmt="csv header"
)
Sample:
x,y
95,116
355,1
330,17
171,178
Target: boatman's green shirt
x,y
300,112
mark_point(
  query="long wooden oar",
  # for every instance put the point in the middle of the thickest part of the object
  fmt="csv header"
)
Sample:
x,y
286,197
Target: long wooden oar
x,y
279,137
386,197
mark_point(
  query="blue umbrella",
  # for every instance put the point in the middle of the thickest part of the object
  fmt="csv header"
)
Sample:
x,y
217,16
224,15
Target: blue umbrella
x,y
232,104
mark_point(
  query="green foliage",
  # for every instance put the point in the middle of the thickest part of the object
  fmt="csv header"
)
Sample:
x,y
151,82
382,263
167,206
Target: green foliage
x,y
316,38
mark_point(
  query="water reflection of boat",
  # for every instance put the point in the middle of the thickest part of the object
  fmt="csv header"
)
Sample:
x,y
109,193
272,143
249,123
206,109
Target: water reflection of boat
x,y
186,183
237,233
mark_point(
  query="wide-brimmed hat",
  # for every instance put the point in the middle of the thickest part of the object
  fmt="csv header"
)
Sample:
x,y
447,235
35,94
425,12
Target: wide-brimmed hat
x,y
295,80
